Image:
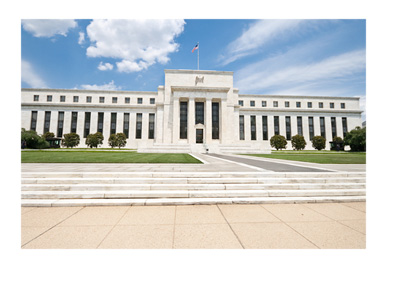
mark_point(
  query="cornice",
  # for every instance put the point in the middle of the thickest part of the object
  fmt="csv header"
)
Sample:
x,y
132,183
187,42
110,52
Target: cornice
x,y
85,91
87,106
199,72
299,96
200,88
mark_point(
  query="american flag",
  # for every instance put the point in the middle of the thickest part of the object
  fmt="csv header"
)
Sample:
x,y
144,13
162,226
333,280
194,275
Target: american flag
x,y
195,47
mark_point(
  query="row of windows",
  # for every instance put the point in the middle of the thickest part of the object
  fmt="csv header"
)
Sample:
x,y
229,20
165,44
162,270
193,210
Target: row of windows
x,y
288,127
89,99
100,123
287,104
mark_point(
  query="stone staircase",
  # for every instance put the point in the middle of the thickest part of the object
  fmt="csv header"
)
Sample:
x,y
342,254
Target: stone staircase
x,y
180,188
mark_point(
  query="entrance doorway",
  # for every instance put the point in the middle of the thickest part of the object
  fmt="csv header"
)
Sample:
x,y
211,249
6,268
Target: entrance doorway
x,y
199,136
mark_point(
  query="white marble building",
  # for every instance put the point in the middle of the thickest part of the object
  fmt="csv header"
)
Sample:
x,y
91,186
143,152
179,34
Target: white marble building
x,y
194,111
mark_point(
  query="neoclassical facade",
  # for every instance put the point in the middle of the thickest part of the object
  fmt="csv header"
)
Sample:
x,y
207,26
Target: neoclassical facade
x,y
195,111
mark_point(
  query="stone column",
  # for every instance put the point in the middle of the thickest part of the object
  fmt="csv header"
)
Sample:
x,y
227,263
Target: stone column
x,y
225,123
208,121
159,124
259,128
93,122
191,122
247,128
145,126
40,122
175,121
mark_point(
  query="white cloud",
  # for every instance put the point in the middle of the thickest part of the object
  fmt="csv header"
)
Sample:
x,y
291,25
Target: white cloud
x,y
30,77
258,35
81,39
137,43
107,86
106,66
48,28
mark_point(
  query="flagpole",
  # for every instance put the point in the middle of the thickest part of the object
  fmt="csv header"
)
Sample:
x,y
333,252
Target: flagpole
x,y
198,56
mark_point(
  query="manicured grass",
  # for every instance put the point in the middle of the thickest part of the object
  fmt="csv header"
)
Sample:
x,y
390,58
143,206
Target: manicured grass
x,y
322,157
73,156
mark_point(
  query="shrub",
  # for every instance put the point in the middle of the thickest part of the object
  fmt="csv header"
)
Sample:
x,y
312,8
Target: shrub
x,y
48,135
94,140
33,140
298,142
357,139
70,140
318,142
278,142
117,140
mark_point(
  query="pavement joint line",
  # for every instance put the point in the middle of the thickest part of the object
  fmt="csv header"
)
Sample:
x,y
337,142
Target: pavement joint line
x,y
113,227
355,208
237,237
281,162
291,227
241,164
81,208
340,221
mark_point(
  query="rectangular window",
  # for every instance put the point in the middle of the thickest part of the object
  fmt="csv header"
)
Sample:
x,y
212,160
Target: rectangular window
x,y
215,120
252,103
333,123
76,98
36,98
241,102
151,125
138,126
322,124
298,104
139,100
152,101
49,98
263,103
344,124
74,120
101,99
127,100
287,104
332,105
253,127
88,99
309,104
126,124
311,126
183,120
342,105
199,112
288,128
86,129
321,105
300,125
114,99
60,123
33,120
62,98
265,127
276,125
275,104
241,127
47,116
113,126
100,122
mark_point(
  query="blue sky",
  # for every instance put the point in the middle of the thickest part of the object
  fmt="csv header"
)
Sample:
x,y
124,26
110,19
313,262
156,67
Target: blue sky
x,y
291,57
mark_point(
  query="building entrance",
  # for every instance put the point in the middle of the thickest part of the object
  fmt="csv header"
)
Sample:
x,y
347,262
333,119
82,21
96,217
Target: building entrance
x,y
199,136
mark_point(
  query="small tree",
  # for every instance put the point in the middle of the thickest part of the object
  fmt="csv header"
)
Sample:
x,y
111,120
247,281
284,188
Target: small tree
x,y
48,135
278,142
112,140
357,139
298,142
70,140
337,143
121,140
318,142
94,140
33,140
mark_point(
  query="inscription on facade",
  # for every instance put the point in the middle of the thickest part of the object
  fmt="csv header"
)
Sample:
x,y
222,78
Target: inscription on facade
x,y
199,79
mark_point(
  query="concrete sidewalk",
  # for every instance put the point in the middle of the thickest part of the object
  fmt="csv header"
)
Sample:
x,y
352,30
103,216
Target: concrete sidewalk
x,y
266,226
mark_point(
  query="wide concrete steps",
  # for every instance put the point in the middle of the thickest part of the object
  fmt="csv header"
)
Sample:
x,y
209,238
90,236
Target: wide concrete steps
x,y
145,188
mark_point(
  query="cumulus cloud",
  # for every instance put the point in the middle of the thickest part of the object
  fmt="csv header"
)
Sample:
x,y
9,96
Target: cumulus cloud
x,y
81,39
137,43
107,86
30,77
105,67
48,28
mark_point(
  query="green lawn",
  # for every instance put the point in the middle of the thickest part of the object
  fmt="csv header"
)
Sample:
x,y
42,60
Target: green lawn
x,y
79,156
322,157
